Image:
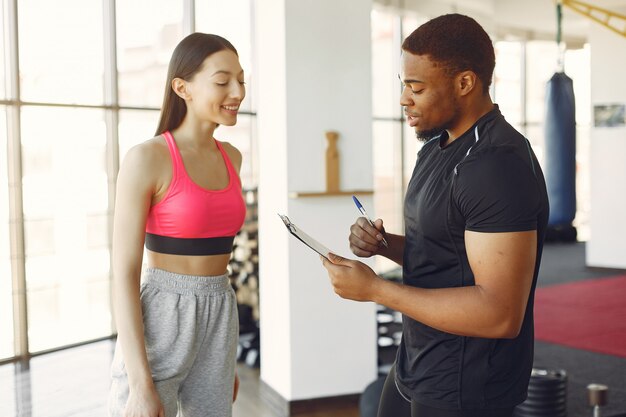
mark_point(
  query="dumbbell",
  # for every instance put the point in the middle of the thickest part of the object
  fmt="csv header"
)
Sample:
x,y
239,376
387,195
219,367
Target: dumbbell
x,y
597,397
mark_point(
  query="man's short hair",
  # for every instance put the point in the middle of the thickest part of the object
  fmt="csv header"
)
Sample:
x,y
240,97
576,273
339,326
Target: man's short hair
x,y
457,43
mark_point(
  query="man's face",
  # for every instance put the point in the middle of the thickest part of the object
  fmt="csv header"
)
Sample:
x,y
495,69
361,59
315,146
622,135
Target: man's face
x,y
428,96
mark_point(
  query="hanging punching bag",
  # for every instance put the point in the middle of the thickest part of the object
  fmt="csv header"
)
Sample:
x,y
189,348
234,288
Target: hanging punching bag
x,y
560,137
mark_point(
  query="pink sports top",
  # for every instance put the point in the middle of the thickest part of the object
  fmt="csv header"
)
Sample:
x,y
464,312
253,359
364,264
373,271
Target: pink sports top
x,y
191,220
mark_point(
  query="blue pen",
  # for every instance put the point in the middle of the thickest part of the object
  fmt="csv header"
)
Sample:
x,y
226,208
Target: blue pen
x,y
364,213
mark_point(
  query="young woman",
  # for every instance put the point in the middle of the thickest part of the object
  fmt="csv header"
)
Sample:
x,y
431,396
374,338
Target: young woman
x,y
180,194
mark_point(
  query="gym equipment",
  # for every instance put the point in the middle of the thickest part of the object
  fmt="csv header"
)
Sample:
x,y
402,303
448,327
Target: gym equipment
x,y
560,142
389,325
547,395
560,136
598,394
244,276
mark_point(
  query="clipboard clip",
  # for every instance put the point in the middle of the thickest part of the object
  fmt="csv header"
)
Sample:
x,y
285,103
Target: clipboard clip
x,y
303,237
287,222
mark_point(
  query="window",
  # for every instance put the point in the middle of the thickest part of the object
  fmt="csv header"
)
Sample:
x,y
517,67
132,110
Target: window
x,y
6,285
231,19
73,115
148,31
386,127
385,65
508,77
65,225
3,57
135,126
394,142
61,58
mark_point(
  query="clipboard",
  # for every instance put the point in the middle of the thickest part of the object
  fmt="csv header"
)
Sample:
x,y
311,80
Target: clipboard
x,y
304,238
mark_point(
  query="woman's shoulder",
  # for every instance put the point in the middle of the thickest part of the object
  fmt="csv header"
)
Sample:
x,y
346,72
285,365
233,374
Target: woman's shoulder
x,y
233,153
228,147
149,154
151,151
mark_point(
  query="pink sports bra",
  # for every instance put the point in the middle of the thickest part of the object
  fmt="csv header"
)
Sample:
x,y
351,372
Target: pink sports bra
x,y
191,220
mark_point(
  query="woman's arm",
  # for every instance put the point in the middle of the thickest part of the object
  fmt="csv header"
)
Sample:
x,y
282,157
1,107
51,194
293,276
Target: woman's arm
x,y
135,188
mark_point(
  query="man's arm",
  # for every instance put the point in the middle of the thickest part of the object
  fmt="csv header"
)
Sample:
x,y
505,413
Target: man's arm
x,y
395,251
503,266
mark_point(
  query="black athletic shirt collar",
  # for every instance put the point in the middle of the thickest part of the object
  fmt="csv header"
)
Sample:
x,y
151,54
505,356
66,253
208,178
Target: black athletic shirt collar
x,y
487,117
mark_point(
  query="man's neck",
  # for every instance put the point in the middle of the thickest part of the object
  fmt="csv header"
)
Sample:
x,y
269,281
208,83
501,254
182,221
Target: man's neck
x,y
468,118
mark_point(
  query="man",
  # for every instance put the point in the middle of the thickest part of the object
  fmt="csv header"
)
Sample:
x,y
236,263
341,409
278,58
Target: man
x,y
475,213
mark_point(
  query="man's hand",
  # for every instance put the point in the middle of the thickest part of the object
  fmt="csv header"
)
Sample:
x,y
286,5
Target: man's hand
x,y
365,240
351,279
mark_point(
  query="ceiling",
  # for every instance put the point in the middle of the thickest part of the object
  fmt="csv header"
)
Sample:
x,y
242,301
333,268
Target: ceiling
x,y
528,19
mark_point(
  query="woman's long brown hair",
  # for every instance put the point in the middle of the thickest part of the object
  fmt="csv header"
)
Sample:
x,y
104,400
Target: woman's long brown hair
x,y
186,61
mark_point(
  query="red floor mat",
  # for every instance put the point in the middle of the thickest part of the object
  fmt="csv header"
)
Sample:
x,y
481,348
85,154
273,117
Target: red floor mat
x,y
589,315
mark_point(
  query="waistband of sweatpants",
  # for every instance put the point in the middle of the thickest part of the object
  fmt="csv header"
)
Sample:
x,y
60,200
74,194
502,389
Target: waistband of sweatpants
x,y
185,284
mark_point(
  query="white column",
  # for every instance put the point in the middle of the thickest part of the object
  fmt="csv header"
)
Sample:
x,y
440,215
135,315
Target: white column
x,y
607,245
314,75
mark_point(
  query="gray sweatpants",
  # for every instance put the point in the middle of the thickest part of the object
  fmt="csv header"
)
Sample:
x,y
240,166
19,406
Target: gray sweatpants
x,y
191,330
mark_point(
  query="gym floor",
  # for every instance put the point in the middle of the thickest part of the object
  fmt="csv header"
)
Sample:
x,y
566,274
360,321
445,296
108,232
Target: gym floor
x,y
74,382
566,263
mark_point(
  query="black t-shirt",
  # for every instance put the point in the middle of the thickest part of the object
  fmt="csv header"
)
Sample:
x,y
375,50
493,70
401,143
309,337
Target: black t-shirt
x,y
497,187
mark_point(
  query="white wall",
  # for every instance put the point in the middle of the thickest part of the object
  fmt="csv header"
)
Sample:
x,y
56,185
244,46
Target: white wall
x,y
273,260
607,245
314,62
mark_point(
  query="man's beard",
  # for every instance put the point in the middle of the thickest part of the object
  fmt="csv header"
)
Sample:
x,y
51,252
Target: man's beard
x,y
426,135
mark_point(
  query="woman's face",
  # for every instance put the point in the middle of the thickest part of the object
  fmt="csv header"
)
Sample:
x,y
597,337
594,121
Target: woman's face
x,y
216,91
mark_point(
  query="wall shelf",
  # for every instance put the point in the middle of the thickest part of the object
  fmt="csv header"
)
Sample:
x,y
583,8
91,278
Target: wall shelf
x,y
300,194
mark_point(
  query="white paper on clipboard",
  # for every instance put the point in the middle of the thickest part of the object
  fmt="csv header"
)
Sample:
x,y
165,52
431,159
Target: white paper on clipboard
x,y
304,238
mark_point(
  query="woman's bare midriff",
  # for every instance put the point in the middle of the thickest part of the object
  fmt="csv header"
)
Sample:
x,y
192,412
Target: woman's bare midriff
x,y
189,265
